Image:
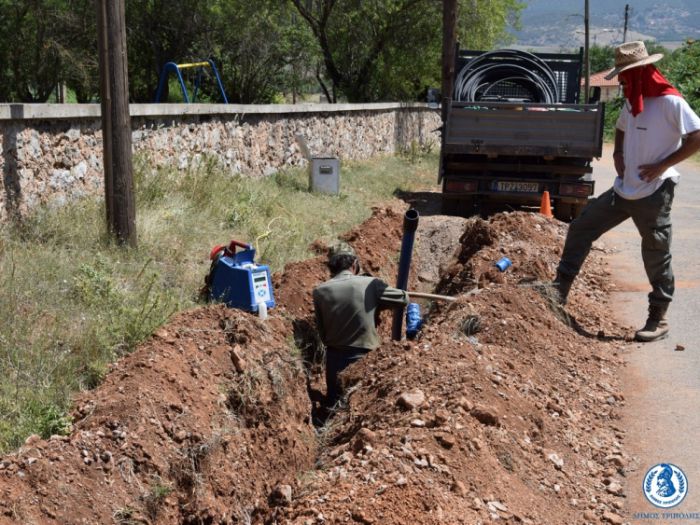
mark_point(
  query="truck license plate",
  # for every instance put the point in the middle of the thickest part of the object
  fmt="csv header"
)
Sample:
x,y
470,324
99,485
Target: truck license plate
x,y
520,187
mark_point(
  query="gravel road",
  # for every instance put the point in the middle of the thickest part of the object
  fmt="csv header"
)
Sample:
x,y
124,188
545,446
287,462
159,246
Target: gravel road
x,y
662,379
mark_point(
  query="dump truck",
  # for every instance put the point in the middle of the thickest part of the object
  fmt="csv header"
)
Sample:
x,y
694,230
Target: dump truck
x,y
514,128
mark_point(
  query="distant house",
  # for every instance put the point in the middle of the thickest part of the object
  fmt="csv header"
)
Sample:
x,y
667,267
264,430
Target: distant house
x,y
609,89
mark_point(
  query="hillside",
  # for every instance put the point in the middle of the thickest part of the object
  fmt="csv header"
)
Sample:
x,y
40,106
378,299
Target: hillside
x,y
560,23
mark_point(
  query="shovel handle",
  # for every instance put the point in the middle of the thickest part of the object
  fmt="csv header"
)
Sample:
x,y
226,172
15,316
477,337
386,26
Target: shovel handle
x,y
436,297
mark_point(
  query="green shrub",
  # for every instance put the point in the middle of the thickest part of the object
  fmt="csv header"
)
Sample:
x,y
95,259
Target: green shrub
x,y
612,112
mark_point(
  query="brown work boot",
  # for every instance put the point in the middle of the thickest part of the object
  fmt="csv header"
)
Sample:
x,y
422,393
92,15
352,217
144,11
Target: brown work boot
x,y
656,327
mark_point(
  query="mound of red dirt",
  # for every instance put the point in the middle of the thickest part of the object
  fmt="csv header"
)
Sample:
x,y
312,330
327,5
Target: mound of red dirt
x,y
499,411
376,242
197,426
504,408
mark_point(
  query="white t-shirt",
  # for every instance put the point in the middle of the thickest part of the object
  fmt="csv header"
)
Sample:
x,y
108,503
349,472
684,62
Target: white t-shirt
x,y
650,137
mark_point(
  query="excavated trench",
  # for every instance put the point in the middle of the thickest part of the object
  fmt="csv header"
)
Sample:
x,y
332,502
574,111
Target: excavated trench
x,y
497,411
493,413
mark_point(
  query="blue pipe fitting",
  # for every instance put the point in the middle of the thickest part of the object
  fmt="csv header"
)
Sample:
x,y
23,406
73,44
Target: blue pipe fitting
x,y
414,321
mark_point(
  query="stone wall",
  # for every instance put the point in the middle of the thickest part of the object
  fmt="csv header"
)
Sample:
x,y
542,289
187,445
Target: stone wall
x,y
53,153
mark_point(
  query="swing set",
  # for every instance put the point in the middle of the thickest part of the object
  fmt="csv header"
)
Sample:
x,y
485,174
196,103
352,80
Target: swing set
x,y
172,67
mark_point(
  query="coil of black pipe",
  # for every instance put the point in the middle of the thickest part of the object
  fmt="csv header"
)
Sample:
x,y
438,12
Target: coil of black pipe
x,y
506,74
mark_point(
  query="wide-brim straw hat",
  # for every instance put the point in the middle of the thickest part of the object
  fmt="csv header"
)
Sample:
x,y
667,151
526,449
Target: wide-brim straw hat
x,y
632,54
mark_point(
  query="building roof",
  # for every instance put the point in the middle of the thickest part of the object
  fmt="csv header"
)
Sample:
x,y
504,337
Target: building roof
x,y
598,79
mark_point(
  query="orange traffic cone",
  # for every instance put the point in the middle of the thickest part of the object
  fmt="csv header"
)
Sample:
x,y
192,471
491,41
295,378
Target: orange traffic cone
x,y
545,206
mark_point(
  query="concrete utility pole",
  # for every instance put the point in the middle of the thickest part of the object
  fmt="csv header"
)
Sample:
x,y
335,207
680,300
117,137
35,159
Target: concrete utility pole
x,y
627,16
449,44
116,122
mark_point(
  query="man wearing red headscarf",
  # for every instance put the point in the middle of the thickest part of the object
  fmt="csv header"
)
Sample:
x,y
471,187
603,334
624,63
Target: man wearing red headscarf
x,y
656,130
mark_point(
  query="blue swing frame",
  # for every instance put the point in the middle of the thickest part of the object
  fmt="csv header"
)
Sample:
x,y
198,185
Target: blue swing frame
x,y
177,69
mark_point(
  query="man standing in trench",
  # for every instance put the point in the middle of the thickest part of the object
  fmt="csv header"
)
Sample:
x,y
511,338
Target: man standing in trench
x,y
347,308
656,130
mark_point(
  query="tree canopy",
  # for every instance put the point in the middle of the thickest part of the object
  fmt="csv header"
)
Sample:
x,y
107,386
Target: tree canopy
x,y
391,49
37,39
683,71
347,49
601,57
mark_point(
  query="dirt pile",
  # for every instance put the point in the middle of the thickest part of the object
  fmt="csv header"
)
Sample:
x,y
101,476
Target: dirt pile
x,y
197,426
503,409
511,417
376,242
205,423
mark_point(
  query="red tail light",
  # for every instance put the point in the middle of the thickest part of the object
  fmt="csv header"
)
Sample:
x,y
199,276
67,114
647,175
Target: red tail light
x,y
461,186
576,190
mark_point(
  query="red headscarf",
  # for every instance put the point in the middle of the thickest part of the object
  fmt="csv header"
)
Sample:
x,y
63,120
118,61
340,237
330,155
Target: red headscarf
x,y
645,81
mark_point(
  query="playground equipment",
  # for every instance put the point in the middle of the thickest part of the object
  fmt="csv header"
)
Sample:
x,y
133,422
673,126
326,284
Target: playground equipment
x,y
177,69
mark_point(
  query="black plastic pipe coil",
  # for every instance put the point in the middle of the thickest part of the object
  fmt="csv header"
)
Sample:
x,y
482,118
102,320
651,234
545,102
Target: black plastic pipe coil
x,y
489,75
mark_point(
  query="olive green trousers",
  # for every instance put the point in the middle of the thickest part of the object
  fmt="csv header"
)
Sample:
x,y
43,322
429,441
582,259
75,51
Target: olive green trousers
x,y
651,216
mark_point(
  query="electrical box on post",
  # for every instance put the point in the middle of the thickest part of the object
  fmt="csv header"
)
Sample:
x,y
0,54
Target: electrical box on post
x,y
324,175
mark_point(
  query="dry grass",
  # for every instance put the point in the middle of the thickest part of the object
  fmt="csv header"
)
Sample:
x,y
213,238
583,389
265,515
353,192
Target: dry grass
x,y
73,302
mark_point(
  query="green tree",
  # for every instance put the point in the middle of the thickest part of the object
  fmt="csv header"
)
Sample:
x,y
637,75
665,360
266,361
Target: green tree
x,y
683,71
482,24
601,57
264,49
79,57
34,44
5,91
301,55
359,50
390,49
161,31
259,49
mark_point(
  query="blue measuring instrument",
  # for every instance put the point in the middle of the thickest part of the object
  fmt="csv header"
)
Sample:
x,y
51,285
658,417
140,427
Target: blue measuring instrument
x,y
237,280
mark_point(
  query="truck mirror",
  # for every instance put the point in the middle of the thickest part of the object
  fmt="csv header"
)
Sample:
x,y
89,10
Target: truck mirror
x,y
594,95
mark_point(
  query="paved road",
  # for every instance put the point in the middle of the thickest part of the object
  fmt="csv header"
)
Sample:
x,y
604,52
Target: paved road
x,y
661,384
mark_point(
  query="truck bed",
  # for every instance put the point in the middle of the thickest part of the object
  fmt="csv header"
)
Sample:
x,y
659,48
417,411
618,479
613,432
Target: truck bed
x,y
507,128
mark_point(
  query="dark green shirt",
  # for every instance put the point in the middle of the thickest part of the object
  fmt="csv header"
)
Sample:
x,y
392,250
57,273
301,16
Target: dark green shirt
x,y
346,306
